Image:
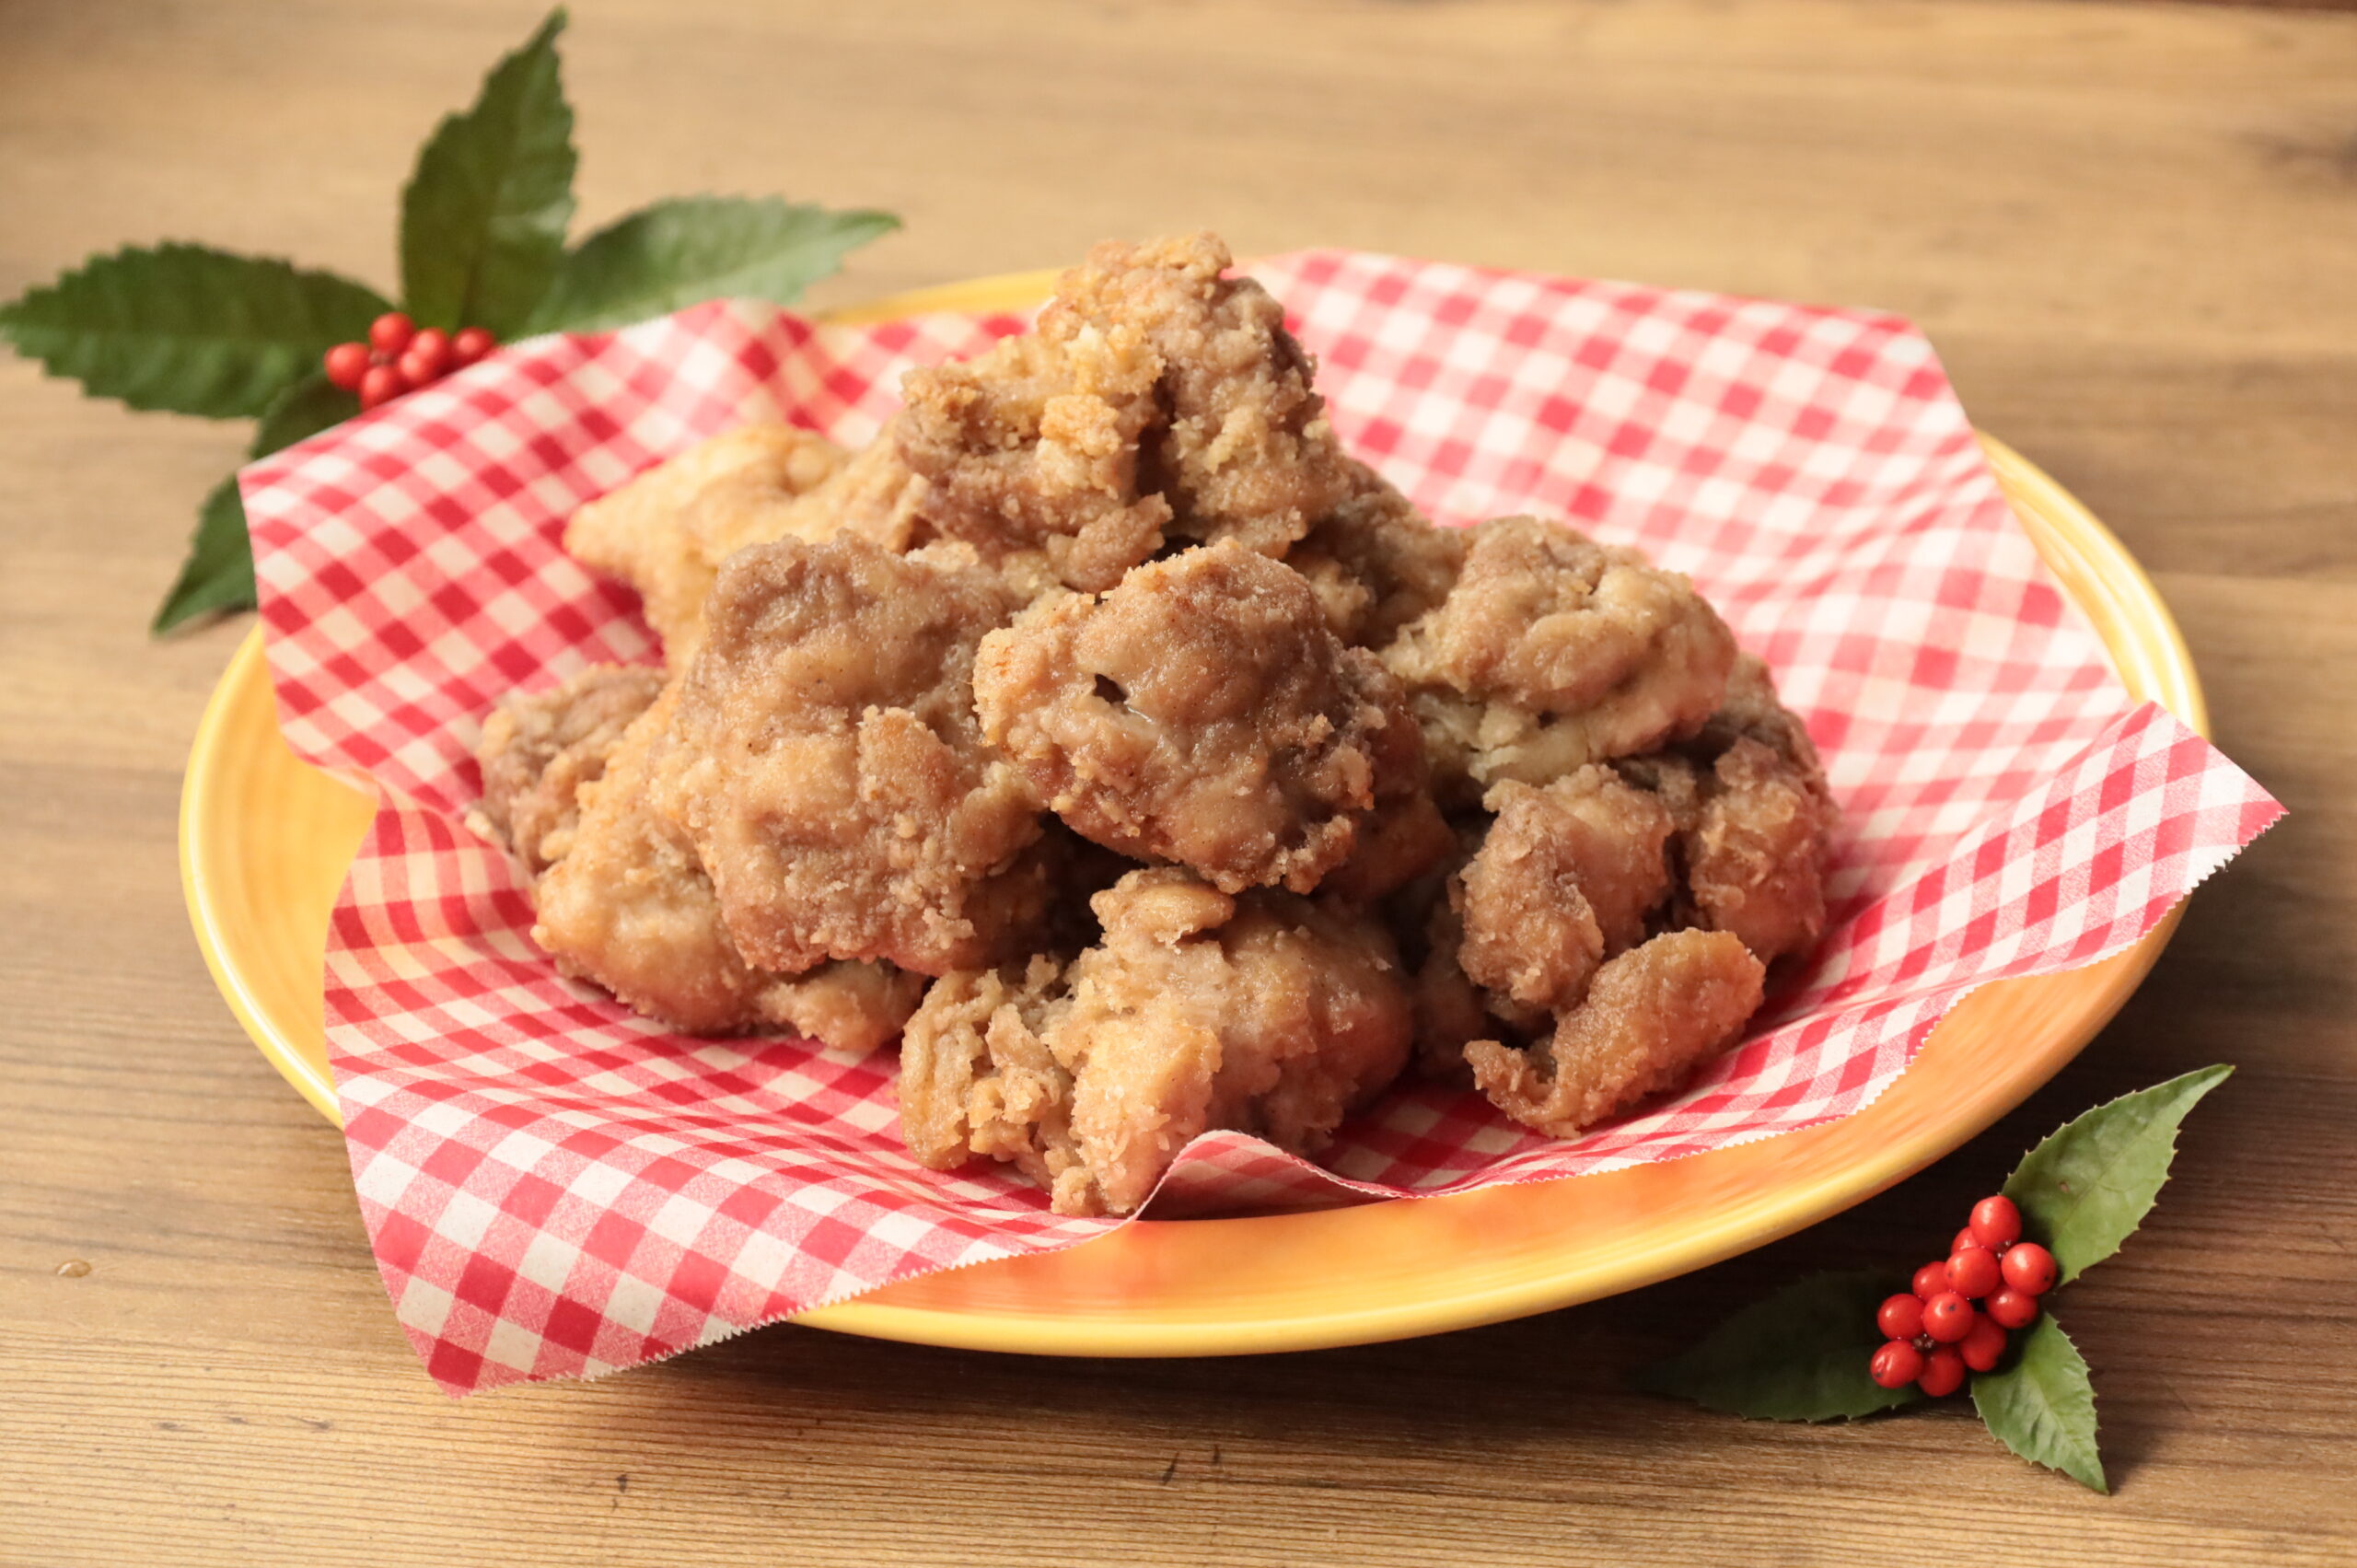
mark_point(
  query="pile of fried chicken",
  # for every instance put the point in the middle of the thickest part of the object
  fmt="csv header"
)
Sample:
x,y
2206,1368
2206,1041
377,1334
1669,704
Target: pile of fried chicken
x,y
1148,765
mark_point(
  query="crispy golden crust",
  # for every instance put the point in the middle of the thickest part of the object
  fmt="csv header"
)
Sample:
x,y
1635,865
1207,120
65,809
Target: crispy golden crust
x,y
1564,879
1551,651
665,532
978,1078
1201,713
852,1007
1243,450
538,751
825,760
1755,862
629,906
1376,562
1268,1013
874,495
1725,833
1156,398
1451,1011
1755,819
1405,837
1651,1017
1034,446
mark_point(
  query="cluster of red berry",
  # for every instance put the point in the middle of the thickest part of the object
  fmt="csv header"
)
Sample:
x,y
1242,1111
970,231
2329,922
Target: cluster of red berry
x,y
401,357
1935,1331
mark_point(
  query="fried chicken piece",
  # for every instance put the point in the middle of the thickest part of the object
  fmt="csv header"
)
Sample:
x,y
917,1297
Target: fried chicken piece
x,y
1404,838
1034,446
1755,819
1449,1008
538,751
1752,711
1155,398
1548,917
628,907
977,1078
1265,1013
1651,1017
1244,452
855,1006
1564,879
1562,882
1756,863
1551,651
872,495
1451,1011
1376,562
666,532
1201,712
1294,1009
825,759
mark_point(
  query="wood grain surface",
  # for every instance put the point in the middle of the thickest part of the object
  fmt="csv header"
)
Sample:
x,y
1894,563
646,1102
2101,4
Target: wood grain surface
x,y
2129,229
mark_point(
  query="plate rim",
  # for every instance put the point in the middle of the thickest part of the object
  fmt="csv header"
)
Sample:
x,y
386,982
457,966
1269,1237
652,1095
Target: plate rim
x,y
2097,570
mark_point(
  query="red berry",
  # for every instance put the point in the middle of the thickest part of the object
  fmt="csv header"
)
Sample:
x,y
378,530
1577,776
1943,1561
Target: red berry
x,y
2012,1308
346,363
430,349
1947,1316
381,385
1900,1317
417,370
1930,1280
1983,1346
470,345
1974,1272
1943,1373
2030,1268
1896,1365
391,332
1963,1240
1996,1222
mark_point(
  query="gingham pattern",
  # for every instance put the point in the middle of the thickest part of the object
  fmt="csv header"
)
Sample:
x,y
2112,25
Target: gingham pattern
x,y
554,1187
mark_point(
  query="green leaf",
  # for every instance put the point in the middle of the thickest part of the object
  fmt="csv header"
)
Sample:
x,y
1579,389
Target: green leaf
x,y
219,572
188,328
674,254
1801,1354
2086,1187
303,411
483,216
2042,1407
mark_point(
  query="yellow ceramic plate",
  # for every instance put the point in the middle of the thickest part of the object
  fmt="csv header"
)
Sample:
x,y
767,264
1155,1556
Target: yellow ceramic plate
x,y
265,841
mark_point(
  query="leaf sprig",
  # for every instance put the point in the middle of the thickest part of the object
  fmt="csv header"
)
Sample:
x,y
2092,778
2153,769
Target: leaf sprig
x,y
189,329
1801,1354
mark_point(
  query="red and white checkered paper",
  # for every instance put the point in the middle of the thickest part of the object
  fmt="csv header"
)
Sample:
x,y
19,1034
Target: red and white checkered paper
x,y
553,1186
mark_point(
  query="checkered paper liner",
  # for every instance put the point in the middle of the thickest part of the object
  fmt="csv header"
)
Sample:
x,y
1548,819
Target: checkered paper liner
x,y
554,1187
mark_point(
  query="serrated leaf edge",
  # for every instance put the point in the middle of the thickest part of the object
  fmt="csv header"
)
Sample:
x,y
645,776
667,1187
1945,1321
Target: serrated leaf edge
x,y
170,613
2101,1483
2217,1073
173,611
882,222
11,318
552,25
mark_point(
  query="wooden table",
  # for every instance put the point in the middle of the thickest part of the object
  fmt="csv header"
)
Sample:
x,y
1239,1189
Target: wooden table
x,y
2131,229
